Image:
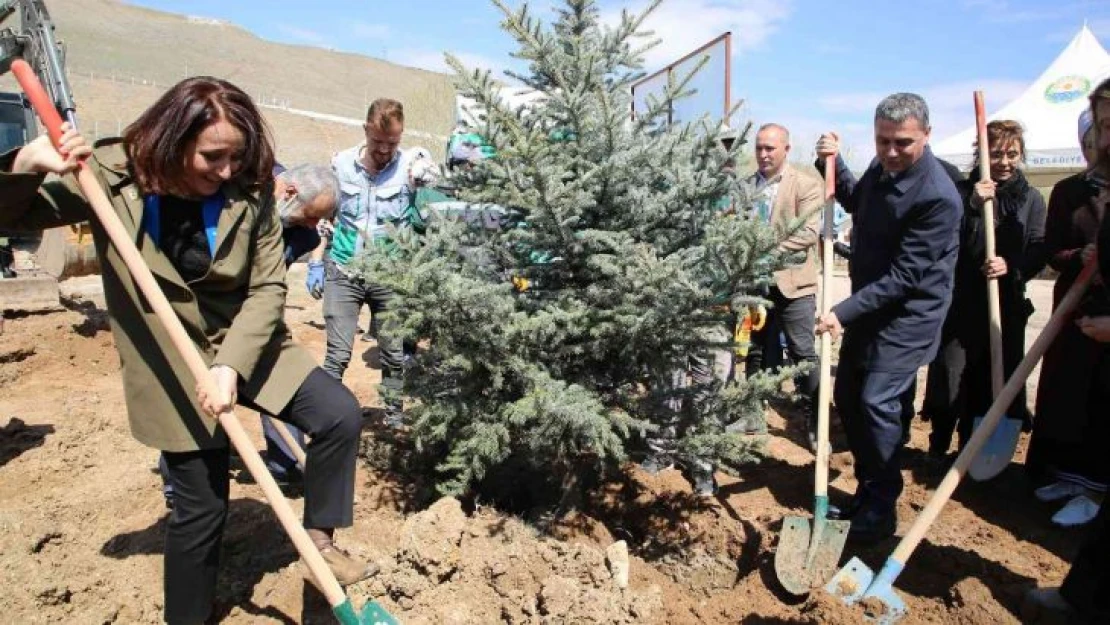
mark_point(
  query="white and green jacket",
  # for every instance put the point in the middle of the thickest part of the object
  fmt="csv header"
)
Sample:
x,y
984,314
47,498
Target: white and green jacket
x,y
368,203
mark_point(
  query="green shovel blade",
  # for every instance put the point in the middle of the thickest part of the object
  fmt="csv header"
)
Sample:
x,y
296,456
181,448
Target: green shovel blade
x,y
372,614
806,558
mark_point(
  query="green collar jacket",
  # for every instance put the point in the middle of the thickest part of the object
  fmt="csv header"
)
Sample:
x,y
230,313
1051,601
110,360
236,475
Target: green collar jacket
x,y
233,313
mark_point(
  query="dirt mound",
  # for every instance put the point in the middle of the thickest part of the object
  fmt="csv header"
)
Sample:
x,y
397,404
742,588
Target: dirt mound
x,y
824,609
82,521
450,568
971,601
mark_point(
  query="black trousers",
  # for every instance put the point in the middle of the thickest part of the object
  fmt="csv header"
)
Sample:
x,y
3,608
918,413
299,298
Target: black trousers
x,y
796,319
944,402
1087,586
964,389
871,405
331,415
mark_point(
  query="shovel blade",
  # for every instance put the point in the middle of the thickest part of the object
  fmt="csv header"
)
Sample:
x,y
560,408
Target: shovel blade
x,y
856,583
808,555
850,582
997,452
371,614
884,606
790,557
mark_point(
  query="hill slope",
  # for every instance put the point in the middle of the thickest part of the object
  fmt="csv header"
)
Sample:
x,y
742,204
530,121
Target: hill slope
x,y
109,43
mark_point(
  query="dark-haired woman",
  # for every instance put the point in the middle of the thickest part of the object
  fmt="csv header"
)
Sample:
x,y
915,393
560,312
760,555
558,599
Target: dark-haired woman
x,y
187,182
1084,597
1068,449
1019,218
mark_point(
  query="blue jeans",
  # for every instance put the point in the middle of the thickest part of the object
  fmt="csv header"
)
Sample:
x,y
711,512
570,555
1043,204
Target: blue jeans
x,y
279,458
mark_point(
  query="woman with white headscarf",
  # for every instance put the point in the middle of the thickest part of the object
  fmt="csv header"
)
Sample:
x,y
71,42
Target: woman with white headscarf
x,y
1067,452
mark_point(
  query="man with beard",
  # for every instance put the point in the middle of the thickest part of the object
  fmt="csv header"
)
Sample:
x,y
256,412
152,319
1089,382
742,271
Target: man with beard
x,y
374,191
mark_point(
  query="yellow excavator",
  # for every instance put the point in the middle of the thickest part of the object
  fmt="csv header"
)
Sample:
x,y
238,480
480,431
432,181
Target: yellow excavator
x,y
31,266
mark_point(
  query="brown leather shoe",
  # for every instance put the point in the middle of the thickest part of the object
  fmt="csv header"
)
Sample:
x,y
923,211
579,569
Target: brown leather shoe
x,y
346,569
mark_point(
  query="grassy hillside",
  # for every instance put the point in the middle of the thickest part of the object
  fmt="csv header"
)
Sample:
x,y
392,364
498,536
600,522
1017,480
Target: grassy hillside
x,y
107,38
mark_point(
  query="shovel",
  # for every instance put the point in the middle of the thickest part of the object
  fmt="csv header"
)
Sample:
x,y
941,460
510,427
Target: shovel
x,y
806,557
857,583
341,606
290,442
999,448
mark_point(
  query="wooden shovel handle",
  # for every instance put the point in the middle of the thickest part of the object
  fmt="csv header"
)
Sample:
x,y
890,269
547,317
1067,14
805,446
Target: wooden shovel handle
x,y
1060,316
120,238
290,442
998,375
824,388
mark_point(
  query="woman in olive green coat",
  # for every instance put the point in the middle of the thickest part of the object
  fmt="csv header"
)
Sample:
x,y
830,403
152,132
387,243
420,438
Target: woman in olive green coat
x,y
187,180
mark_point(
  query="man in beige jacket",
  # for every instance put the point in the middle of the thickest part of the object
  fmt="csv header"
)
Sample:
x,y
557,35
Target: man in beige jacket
x,y
791,201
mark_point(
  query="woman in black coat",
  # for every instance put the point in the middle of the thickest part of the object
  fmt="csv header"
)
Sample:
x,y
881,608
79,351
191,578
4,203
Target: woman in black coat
x,y
1019,212
1084,596
1067,451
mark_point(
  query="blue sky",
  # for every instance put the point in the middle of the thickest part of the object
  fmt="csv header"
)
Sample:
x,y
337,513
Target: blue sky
x,y
806,64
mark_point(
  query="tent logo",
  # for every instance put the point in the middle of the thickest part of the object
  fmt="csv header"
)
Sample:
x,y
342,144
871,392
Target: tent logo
x,y
1067,89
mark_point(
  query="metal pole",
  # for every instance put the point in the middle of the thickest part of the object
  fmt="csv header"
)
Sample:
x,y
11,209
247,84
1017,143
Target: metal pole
x,y
728,76
670,103
683,59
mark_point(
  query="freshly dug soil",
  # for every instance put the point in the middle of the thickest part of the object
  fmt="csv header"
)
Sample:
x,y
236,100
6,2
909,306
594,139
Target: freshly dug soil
x,y
82,521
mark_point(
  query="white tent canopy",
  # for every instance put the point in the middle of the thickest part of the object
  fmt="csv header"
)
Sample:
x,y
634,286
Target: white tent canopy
x,y
1049,109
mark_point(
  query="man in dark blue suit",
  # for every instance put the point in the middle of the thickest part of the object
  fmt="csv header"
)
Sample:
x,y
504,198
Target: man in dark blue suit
x,y
906,216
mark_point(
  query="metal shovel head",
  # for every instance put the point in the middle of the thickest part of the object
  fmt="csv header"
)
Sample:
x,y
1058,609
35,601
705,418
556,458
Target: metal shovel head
x,y
850,582
997,452
806,557
371,614
855,583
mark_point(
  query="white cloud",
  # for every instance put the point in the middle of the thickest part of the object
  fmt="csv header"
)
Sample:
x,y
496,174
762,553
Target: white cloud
x,y
942,99
369,30
683,26
433,60
850,115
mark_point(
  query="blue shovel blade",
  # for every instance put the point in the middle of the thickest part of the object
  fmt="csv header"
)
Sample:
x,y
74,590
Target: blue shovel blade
x,y
997,452
856,583
888,610
850,582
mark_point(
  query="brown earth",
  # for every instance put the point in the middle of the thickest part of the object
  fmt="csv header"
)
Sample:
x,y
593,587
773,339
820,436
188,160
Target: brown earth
x,y
82,519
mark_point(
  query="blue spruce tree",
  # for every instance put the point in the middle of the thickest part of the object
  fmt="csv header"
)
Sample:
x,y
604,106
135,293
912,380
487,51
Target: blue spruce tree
x,y
561,339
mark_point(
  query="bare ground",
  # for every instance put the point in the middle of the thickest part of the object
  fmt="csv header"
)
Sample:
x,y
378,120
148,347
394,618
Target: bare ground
x,y
82,519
